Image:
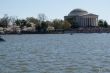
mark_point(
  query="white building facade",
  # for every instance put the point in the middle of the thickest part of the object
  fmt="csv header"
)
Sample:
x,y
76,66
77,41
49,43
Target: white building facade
x,y
82,18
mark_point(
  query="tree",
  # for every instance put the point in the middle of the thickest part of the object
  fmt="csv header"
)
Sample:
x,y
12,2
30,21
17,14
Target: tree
x,y
100,23
28,25
18,22
21,23
38,28
66,25
58,24
44,26
74,24
105,24
4,21
41,17
49,23
13,19
32,20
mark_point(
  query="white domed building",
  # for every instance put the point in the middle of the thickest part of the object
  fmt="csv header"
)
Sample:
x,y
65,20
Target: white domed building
x,y
82,18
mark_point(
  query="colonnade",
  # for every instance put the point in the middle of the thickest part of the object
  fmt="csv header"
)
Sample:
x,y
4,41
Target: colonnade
x,y
87,21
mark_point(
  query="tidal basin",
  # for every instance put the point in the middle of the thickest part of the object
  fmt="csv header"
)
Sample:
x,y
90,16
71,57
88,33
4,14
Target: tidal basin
x,y
55,53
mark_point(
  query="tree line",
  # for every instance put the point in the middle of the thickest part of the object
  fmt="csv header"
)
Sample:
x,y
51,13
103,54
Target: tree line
x,y
41,23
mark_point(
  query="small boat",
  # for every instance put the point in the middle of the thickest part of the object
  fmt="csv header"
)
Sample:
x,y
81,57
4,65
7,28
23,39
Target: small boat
x,y
1,39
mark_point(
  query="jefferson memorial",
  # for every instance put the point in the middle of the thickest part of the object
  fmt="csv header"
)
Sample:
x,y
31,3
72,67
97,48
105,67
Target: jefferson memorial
x,y
82,18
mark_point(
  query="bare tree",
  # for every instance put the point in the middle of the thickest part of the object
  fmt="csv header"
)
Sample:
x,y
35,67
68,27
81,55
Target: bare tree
x,y
4,21
13,19
41,17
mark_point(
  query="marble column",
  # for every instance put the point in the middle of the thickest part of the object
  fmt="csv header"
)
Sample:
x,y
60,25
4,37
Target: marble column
x,y
85,22
93,24
78,21
97,21
89,21
82,21
92,21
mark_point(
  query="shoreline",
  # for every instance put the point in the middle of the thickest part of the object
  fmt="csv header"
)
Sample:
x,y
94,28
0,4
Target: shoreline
x,y
61,31
57,33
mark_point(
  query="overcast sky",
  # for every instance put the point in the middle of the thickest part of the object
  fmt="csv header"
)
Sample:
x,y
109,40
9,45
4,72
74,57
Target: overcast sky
x,y
53,8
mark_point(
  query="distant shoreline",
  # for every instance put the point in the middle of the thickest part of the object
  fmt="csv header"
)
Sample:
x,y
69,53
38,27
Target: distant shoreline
x,y
71,31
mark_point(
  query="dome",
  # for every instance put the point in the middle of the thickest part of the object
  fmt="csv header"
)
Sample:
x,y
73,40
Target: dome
x,y
77,12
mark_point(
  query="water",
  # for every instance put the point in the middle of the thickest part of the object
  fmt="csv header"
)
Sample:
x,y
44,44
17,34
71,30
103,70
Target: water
x,y
55,53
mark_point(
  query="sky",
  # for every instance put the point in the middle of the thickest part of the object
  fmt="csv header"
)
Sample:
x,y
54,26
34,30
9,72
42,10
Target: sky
x,y
53,8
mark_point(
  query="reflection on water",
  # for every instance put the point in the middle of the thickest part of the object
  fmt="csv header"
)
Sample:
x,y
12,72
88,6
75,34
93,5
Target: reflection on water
x,y
55,53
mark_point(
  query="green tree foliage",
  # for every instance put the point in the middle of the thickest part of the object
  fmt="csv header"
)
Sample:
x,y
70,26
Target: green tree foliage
x,y
21,23
38,28
73,23
105,24
18,22
28,25
101,23
32,20
66,25
49,23
44,26
58,24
